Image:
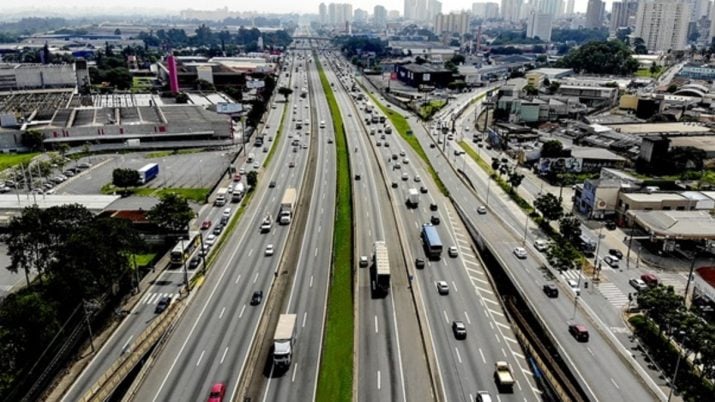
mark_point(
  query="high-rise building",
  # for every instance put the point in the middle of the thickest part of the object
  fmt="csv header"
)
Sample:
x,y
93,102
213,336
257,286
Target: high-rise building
x,y
623,14
594,13
553,7
511,9
340,13
323,13
539,25
485,10
380,16
410,9
393,14
360,15
569,7
434,7
452,23
663,24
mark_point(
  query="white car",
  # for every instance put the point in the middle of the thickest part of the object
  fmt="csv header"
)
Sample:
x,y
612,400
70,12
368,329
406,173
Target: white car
x,y
269,250
541,244
210,239
452,251
574,286
481,210
520,252
417,179
256,165
638,284
442,288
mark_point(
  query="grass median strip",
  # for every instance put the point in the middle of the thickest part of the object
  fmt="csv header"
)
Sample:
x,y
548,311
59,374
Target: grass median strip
x,y
403,127
336,365
278,137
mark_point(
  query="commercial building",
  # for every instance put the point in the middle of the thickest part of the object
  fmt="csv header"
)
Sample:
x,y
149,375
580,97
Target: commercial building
x,y
704,72
41,76
663,24
486,11
594,14
589,95
380,16
511,10
623,14
539,26
451,23
417,75
340,13
323,13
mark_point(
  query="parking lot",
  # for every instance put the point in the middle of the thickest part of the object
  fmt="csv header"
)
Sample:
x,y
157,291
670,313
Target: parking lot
x,y
193,170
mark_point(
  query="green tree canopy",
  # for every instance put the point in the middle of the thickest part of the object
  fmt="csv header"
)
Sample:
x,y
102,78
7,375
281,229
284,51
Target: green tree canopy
x,y
552,149
172,214
549,206
601,57
285,91
125,177
570,228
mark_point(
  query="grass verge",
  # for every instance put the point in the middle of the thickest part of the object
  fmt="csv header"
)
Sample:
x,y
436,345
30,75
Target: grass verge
x,y
10,160
405,131
278,137
336,365
144,259
197,195
163,154
430,108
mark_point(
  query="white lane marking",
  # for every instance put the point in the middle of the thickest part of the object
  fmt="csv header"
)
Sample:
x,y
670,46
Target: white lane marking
x,y
295,370
223,310
311,282
224,355
454,285
238,278
467,316
316,252
200,357
242,310
256,278
305,316
459,357
481,353
376,327
614,383
250,252
126,344
319,226
445,316
378,379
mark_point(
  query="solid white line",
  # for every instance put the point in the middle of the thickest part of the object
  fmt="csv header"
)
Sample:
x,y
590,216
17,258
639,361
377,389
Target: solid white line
x,y
200,357
127,343
224,355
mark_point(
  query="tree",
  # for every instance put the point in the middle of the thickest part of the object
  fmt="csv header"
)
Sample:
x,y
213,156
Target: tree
x,y
552,149
457,59
252,179
639,46
563,256
182,97
549,206
672,88
125,178
172,213
554,86
531,90
601,57
117,31
285,91
662,305
570,228
33,139
515,179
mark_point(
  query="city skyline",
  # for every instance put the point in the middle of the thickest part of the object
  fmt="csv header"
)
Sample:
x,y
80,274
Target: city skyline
x,y
276,6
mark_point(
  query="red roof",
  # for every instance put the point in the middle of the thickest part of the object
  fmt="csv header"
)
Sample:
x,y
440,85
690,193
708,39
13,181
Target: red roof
x,y
708,274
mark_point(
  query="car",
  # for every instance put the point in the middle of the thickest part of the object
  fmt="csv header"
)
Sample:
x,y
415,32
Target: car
x,y
442,288
541,245
520,252
84,165
205,225
396,166
394,184
579,332
204,250
363,261
417,179
357,176
574,286
68,173
434,219
210,239
650,279
419,263
387,144
484,396
236,178
459,330
272,184
616,253
265,149
194,262
481,210
269,250
406,161
217,229
611,225
402,153
242,171
405,177
217,392
257,298
291,164
638,284
256,165
551,290
611,260
162,305
226,212
423,190
330,140
432,145
433,207
452,251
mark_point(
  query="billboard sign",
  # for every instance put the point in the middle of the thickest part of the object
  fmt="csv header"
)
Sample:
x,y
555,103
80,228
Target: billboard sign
x,y
228,108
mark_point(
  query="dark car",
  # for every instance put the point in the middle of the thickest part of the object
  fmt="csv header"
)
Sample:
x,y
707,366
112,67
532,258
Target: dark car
x,y
394,184
551,290
579,332
616,253
423,189
611,225
272,184
433,207
420,263
205,225
434,220
257,298
164,302
218,229
357,177
194,262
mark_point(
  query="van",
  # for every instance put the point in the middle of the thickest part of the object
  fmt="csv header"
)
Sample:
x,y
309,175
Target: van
x,y
227,212
650,279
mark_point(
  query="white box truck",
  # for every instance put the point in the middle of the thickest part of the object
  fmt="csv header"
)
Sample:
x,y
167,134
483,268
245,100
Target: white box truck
x,y
287,206
221,197
413,198
238,192
283,340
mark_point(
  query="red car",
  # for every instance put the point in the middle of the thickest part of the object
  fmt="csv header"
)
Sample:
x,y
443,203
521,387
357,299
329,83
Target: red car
x,y
217,392
237,178
205,225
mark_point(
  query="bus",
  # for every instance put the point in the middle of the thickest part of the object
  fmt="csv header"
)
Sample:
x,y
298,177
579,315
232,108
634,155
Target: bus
x,y
431,242
184,248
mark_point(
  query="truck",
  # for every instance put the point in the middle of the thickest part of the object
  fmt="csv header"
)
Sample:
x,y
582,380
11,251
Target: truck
x,y
148,172
287,206
221,197
380,270
503,376
134,142
413,198
238,191
266,224
283,341
431,242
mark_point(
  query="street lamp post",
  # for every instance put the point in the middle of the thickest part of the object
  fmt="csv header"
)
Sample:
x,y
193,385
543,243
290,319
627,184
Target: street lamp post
x,y
598,245
183,261
675,373
526,229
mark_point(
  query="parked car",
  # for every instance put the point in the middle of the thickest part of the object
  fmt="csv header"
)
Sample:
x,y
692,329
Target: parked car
x,y
638,284
194,262
616,253
541,244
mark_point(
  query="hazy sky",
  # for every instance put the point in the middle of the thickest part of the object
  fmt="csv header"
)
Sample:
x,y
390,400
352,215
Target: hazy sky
x,y
300,6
